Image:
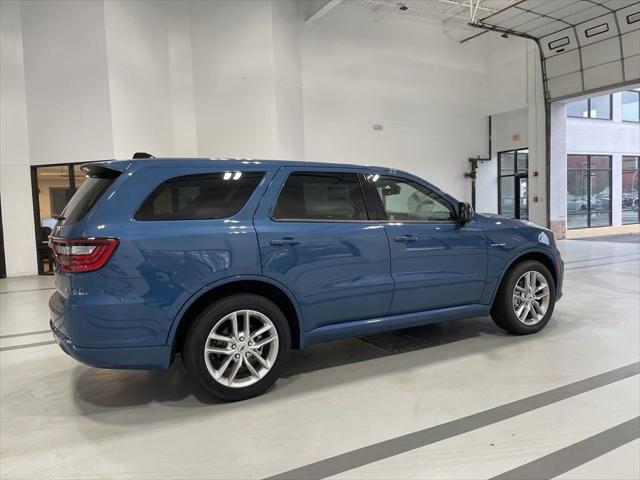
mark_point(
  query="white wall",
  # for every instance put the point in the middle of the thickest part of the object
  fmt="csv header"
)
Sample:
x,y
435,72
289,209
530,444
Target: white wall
x,y
102,79
425,90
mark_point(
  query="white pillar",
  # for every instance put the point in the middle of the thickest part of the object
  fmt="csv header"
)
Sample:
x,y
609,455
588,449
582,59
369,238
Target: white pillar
x,y
15,176
558,169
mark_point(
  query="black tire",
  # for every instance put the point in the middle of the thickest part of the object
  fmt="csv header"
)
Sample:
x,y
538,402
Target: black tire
x,y
197,338
502,311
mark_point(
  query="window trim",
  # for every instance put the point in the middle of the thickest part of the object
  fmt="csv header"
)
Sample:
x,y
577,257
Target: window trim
x,y
382,210
321,220
155,188
589,170
589,110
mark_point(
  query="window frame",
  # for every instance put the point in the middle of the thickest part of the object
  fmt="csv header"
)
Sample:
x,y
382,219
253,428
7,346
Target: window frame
x,y
589,117
370,214
157,186
382,213
588,212
621,114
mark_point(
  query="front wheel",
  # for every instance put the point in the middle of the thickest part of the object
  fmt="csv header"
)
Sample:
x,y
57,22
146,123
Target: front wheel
x,y
236,348
525,300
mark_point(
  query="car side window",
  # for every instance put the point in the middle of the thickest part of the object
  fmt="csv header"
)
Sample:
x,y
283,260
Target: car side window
x,y
321,196
201,196
405,200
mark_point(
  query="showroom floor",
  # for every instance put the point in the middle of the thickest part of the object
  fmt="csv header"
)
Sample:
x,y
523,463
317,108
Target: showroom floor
x,y
456,400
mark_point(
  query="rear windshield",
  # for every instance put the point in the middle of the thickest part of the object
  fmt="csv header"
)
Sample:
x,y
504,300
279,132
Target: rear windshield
x,y
198,197
85,198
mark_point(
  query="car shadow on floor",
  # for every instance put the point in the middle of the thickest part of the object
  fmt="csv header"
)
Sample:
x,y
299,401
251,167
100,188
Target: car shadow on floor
x,y
317,367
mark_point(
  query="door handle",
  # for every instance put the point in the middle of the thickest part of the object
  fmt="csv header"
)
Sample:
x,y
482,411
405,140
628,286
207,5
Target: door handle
x,y
282,242
405,238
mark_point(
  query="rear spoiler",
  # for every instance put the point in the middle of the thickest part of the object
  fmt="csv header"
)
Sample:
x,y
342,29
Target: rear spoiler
x,y
111,168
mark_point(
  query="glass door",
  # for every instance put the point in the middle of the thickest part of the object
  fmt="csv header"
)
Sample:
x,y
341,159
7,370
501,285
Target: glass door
x,y
53,186
522,207
513,178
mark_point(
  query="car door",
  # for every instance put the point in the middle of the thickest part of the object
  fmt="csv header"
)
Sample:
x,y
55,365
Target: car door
x,y
436,262
317,239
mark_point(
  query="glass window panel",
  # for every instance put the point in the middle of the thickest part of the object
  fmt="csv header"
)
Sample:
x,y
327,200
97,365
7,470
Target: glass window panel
x,y
321,196
600,107
54,191
600,219
631,106
205,196
600,191
507,197
630,187
577,162
630,163
577,191
577,221
600,161
523,160
506,163
404,200
578,109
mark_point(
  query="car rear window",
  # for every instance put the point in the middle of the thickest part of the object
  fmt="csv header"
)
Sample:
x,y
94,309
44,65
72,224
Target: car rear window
x,y
86,197
198,197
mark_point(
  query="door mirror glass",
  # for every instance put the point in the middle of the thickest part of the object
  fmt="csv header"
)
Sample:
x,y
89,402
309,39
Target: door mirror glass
x,y
465,212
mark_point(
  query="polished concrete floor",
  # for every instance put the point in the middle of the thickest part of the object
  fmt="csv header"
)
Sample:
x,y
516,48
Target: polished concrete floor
x,y
471,402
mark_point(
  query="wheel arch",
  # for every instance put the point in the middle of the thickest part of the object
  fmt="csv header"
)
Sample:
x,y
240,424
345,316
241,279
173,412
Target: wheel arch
x,y
263,286
538,255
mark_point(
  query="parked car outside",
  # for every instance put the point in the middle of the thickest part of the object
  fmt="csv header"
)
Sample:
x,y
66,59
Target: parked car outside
x,y
231,263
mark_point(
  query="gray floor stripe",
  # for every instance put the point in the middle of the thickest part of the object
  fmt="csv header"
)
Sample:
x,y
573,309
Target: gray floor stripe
x,y
405,443
28,345
573,456
20,291
605,264
13,335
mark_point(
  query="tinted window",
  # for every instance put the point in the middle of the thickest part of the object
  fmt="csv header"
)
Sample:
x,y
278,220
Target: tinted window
x,y
194,197
321,196
404,200
85,197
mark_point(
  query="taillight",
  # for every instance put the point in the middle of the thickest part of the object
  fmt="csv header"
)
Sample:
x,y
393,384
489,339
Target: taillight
x,y
82,254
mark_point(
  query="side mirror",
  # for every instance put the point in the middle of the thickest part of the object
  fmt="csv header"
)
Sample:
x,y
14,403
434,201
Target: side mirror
x,y
465,212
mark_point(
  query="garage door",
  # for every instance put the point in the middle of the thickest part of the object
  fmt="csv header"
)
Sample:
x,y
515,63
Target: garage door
x,y
586,45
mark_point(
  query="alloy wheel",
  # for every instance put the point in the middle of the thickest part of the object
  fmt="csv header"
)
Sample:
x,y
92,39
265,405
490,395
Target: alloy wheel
x,y
241,348
531,296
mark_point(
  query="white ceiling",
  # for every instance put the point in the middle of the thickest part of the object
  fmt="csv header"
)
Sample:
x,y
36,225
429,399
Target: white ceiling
x,y
586,45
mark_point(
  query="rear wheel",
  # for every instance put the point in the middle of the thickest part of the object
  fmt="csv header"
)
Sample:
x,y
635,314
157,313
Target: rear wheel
x,y
236,348
525,300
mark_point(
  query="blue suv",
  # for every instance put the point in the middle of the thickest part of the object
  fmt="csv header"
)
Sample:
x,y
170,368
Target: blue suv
x,y
231,263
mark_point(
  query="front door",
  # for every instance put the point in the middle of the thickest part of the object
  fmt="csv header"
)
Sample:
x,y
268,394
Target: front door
x,y
436,262
316,238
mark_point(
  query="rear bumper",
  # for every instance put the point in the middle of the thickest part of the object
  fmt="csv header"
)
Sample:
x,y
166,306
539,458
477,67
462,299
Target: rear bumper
x,y
145,358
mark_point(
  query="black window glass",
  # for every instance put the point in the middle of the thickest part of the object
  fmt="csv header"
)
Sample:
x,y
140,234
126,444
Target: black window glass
x,y
321,196
404,200
85,198
204,196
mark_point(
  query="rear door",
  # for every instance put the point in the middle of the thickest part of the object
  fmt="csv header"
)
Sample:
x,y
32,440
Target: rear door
x,y
318,239
436,261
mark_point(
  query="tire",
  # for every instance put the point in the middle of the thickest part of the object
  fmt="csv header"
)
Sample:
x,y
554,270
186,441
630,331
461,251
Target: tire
x,y
506,305
212,329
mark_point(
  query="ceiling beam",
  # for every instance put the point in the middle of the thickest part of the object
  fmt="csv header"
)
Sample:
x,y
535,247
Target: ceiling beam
x,y
314,10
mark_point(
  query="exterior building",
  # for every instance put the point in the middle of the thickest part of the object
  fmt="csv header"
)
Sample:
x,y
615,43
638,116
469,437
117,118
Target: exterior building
x,y
603,152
